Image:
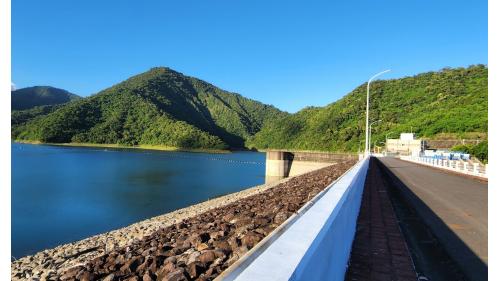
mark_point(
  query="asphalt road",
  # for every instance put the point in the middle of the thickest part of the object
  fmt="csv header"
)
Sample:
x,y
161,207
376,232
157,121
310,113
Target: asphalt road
x,y
454,207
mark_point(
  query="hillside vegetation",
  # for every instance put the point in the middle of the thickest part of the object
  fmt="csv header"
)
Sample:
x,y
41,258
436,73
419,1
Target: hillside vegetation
x,y
31,97
164,107
447,101
480,150
158,107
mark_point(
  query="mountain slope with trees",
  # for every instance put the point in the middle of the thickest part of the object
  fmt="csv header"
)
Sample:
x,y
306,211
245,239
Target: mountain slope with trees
x,y
158,107
448,101
27,98
164,107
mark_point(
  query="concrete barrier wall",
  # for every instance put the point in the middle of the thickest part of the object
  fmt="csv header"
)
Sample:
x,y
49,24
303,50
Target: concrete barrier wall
x,y
325,157
302,167
282,164
317,244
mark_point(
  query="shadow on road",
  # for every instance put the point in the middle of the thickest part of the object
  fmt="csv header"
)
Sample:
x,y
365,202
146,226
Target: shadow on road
x,y
438,253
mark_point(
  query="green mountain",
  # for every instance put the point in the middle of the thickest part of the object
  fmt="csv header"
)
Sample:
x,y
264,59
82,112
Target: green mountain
x,y
158,107
20,117
30,97
448,101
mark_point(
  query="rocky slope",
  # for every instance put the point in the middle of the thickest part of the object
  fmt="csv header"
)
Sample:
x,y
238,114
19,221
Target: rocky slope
x,y
199,247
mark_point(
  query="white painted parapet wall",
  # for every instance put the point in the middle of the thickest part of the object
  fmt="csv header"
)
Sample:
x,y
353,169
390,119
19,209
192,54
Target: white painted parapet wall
x,y
452,165
315,244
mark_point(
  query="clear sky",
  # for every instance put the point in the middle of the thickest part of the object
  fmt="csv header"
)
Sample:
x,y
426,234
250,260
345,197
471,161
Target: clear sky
x,y
287,53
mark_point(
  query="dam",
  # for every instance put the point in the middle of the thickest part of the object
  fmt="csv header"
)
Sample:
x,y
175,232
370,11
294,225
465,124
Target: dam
x,y
282,164
308,226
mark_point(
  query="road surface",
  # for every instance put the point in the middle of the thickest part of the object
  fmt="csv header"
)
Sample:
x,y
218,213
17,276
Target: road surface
x,y
454,207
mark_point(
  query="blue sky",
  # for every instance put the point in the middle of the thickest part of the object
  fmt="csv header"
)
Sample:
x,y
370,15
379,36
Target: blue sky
x,y
287,53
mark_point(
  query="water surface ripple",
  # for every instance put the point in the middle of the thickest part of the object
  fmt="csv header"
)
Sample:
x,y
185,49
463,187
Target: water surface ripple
x,y
64,194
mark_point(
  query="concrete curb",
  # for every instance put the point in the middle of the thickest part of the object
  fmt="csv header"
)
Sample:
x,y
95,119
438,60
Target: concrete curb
x,y
339,190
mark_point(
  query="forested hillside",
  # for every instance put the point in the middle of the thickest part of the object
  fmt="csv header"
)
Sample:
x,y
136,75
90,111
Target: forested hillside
x,y
158,107
448,101
30,97
164,107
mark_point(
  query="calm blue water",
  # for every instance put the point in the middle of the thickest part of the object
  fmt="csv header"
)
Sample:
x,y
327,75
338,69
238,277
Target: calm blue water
x,y
64,194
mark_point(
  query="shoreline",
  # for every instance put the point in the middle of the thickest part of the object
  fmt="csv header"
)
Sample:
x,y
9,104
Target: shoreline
x,y
137,147
55,261
178,149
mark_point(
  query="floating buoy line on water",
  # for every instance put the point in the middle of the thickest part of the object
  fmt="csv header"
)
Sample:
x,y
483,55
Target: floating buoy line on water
x,y
215,159
175,154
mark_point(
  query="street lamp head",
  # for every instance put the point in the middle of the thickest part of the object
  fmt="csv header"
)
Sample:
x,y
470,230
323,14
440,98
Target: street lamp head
x,y
378,74
367,137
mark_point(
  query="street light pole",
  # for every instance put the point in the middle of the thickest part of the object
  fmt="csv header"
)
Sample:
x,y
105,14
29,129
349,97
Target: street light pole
x,y
370,135
367,141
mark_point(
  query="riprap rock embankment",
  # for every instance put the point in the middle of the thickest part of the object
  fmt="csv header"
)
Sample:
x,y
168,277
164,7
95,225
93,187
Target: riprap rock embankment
x,y
194,243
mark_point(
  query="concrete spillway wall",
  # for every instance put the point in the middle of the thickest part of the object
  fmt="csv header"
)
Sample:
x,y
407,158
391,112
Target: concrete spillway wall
x,y
282,164
315,244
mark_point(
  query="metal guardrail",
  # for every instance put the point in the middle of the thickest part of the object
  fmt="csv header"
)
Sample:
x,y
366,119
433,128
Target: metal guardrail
x,y
459,166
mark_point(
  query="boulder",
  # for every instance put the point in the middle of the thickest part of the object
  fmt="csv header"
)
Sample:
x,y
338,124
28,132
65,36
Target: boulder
x,y
193,257
131,265
207,257
147,277
281,217
251,239
110,277
194,269
165,270
177,275
202,246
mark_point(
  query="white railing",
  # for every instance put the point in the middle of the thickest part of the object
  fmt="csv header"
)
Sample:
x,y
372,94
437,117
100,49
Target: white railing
x,y
460,166
313,245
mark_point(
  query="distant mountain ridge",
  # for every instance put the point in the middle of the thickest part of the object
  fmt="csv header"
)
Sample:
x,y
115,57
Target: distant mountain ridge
x,y
453,100
27,98
158,107
164,107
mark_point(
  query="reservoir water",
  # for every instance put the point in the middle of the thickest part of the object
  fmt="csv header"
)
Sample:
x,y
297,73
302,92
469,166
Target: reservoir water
x,y
64,194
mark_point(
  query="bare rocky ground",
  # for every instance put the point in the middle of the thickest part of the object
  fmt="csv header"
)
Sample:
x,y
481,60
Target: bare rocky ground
x,y
194,243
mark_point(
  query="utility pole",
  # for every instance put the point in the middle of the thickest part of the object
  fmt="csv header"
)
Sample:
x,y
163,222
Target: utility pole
x,y
367,141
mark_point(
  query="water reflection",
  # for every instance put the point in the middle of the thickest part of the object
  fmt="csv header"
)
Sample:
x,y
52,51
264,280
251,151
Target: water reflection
x,y
62,194
149,178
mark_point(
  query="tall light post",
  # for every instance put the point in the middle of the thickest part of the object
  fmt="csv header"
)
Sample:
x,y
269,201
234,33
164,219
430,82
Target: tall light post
x,y
370,135
367,149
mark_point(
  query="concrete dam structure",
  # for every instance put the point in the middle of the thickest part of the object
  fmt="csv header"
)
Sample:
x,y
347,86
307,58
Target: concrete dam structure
x,y
282,164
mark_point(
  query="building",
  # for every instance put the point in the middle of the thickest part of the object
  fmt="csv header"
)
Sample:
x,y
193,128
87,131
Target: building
x,y
405,145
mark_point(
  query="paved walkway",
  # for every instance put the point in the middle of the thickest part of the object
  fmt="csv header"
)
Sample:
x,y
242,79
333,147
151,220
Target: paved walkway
x,y
454,207
379,251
